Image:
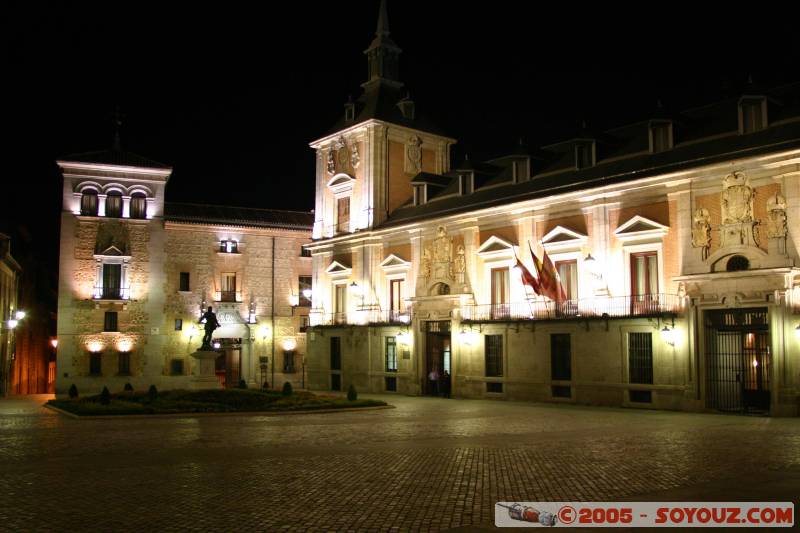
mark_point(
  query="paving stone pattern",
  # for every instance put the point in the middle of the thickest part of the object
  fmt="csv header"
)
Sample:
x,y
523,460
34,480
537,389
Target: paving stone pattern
x,y
428,465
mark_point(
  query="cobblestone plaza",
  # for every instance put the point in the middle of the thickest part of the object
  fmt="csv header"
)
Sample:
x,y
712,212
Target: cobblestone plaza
x,y
428,465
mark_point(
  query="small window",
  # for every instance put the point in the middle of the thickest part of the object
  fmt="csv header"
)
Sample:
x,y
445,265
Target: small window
x,y
288,362
391,384
304,323
183,282
178,324
305,252
641,396
176,367
89,203
560,357
114,204
752,115
493,352
229,247
95,364
138,205
496,388
304,285
336,353
391,354
349,111
640,358
110,322
561,391
124,359
336,382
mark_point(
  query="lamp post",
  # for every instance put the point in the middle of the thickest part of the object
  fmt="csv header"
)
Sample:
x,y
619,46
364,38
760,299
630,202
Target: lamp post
x,y
9,326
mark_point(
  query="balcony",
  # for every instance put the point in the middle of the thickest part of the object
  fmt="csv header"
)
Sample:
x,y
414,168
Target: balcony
x,y
644,305
111,293
372,317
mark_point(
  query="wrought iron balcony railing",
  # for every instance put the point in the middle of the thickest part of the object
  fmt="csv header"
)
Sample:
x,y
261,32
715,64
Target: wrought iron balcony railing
x,y
111,293
597,307
365,317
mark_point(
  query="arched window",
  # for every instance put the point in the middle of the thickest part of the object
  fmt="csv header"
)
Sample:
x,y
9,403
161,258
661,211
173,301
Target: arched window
x,y
737,263
114,204
89,202
138,205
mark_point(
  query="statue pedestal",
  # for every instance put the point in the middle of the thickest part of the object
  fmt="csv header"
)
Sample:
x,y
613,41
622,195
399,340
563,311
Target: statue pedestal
x,y
204,374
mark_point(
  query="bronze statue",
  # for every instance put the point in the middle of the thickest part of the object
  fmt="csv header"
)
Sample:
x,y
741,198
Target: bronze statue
x,y
211,324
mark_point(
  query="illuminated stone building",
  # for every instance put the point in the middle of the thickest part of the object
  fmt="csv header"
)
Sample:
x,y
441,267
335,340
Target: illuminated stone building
x,y
135,273
10,273
675,240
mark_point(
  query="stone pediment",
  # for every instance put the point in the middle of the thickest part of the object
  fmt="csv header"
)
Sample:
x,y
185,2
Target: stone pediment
x,y
562,239
112,251
337,269
341,181
394,262
495,247
640,228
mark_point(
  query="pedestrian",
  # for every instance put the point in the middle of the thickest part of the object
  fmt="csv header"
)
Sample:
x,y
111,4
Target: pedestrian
x,y
433,381
446,384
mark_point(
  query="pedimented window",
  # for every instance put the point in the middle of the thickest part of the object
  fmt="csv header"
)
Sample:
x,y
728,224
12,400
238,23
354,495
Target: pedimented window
x,y
641,229
562,239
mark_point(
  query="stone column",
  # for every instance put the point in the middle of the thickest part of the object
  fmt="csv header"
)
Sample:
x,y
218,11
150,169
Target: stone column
x,y
471,244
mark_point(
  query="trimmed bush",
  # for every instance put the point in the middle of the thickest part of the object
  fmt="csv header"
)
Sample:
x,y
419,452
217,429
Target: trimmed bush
x,y
242,384
105,396
352,395
128,387
287,389
73,391
152,393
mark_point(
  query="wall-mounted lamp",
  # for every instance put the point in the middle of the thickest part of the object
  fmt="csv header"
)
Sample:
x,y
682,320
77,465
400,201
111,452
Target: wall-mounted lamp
x,y
404,337
95,346
217,345
354,288
307,293
289,344
467,337
294,300
124,345
20,315
589,258
54,343
12,323
263,332
668,334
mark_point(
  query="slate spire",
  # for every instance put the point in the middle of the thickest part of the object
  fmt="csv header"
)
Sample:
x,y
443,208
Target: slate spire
x,y
383,55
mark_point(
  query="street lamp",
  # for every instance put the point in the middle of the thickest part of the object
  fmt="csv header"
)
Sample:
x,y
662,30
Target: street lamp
x,y
54,343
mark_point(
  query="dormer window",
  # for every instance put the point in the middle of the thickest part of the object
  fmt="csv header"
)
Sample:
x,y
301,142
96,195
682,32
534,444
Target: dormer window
x,y
420,194
520,170
465,184
229,246
89,203
407,108
138,205
660,136
349,111
752,114
584,154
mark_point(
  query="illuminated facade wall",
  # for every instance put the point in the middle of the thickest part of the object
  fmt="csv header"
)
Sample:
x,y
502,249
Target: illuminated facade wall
x,y
131,289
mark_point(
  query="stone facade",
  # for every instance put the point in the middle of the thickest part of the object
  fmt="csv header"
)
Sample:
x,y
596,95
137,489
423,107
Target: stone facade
x,y
678,262
138,324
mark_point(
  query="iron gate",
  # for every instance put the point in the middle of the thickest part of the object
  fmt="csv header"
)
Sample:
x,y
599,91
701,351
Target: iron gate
x,y
737,360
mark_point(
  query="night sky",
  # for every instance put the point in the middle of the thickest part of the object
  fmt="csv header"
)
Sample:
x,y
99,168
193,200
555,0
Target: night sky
x,y
231,97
